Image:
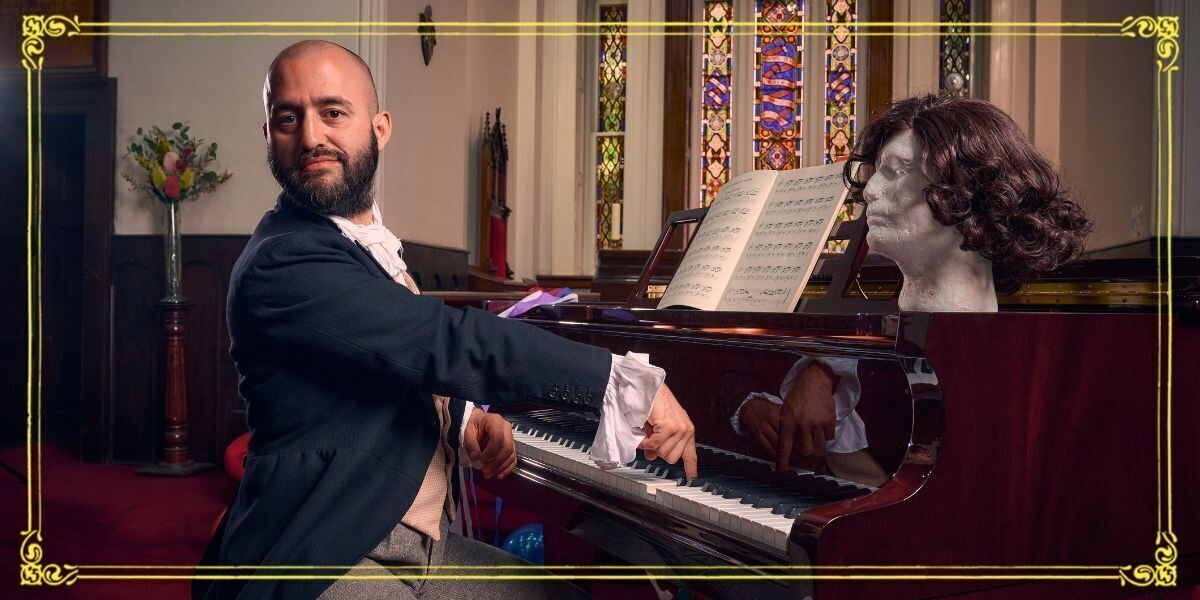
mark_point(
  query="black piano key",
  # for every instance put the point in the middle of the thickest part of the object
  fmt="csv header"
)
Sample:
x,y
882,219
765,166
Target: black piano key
x,y
752,482
749,493
675,473
765,501
796,509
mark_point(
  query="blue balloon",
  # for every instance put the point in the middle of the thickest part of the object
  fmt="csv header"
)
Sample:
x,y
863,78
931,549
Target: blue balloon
x,y
526,542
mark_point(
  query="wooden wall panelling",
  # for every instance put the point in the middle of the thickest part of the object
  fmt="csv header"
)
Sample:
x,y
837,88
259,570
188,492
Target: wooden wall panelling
x,y
135,417
216,413
77,111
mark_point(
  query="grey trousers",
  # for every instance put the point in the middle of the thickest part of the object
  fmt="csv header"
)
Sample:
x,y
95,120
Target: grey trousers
x,y
406,547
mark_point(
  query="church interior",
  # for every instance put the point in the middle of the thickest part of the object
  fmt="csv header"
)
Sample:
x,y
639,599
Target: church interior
x,y
571,148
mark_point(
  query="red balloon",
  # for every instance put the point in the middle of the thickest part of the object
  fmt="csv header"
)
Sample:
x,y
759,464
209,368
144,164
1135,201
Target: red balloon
x,y
235,456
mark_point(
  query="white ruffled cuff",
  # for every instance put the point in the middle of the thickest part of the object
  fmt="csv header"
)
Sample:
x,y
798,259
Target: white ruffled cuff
x,y
736,420
632,385
849,431
463,459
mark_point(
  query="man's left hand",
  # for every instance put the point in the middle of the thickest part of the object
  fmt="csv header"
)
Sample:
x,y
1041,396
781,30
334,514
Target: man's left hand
x,y
489,444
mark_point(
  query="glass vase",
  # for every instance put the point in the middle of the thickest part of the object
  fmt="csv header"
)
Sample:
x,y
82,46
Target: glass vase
x,y
172,256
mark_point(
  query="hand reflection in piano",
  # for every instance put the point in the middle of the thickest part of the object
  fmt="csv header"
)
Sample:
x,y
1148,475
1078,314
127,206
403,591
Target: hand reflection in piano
x,y
814,417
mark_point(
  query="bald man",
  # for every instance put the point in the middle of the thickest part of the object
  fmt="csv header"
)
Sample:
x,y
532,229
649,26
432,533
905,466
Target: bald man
x,y
360,391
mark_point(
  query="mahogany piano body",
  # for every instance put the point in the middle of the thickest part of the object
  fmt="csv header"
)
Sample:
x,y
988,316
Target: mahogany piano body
x,y
1012,438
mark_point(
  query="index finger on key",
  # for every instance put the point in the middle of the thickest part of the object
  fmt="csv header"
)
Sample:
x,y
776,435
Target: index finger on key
x,y
690,469
787,437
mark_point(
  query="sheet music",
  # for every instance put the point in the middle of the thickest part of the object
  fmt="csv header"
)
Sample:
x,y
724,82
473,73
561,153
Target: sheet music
x,y
786,240
707,266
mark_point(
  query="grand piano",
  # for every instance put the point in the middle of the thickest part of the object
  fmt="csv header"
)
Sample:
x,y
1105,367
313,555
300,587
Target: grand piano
x,y
1029,438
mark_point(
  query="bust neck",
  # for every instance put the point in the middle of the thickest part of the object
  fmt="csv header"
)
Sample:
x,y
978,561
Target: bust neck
x,y
958,281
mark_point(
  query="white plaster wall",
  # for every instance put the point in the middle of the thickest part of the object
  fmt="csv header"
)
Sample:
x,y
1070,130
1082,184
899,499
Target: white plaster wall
x,y
1107,138
424,195
914,58
491,82
1187,118
216,84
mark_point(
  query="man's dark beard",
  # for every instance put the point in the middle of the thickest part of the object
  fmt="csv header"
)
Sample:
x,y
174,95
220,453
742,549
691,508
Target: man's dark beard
x,y
345,198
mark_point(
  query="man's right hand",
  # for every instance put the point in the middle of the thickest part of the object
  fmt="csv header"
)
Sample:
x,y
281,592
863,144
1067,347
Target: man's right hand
x,y
670,433
808,414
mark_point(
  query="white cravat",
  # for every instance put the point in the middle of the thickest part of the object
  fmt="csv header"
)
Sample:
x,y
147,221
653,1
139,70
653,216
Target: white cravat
x,y
385,248
383,245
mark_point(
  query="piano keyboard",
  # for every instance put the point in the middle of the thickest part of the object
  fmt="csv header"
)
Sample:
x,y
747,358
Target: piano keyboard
x,y
733,492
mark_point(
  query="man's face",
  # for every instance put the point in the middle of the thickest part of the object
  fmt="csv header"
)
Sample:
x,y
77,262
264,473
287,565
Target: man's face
x,y
901,225
321,142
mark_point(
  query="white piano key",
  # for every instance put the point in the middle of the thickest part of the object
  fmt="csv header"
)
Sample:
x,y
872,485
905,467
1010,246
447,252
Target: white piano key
x,y
727,514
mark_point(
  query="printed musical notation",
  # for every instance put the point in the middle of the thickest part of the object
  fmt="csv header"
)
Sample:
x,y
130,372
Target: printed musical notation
x,y
799,206
762,249
703,270
768,272
695,289
790,227
742,298
741,192
717,251
735,212
804,184
759,242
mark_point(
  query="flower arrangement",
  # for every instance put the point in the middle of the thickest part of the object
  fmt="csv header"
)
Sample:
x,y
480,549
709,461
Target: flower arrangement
x,y
176,164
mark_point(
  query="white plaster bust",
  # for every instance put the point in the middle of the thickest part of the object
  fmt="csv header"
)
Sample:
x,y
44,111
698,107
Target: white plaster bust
x,y
938,274
959,192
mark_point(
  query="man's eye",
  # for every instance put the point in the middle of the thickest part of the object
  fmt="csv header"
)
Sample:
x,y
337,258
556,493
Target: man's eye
x,y
287,119
335,113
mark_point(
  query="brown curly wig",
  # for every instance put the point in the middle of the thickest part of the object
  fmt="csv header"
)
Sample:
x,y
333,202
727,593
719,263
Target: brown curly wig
x,y
987,179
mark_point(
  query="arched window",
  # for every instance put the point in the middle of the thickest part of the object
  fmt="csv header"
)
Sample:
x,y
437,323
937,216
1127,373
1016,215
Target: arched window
x,y
780,82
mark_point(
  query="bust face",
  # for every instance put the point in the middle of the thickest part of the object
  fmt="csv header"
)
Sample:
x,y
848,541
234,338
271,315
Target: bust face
x,y
900,224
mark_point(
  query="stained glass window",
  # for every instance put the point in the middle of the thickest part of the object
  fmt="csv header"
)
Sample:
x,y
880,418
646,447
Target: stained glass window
x,y
716,125
840,59
610,126
776,88
778,62
836,246
954,56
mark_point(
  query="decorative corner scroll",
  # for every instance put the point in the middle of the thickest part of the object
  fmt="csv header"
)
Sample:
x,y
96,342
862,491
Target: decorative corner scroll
x,y
1161,574
33,572
36,27
1165,29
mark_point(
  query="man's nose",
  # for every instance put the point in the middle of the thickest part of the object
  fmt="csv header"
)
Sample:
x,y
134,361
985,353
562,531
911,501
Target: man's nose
x,y
871,192
312,133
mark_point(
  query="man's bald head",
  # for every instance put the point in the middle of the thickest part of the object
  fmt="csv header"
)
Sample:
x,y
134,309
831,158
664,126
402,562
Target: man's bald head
x,y
308,48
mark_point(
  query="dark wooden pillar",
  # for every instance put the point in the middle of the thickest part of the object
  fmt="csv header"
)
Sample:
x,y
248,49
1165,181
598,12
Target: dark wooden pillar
x,y
176,460
677,111
879,57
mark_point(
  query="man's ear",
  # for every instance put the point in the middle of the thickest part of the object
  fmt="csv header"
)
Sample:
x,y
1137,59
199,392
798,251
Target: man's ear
x,y
382,124
265,135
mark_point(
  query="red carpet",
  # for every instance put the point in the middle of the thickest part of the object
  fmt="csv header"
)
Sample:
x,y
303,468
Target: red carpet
x,y
107,515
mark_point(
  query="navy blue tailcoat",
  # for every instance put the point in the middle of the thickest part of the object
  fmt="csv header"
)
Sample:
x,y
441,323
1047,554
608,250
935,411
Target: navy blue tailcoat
x,y
338,364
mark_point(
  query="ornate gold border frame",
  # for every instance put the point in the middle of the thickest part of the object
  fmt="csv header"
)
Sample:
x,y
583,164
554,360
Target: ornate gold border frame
x,y
1164,30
